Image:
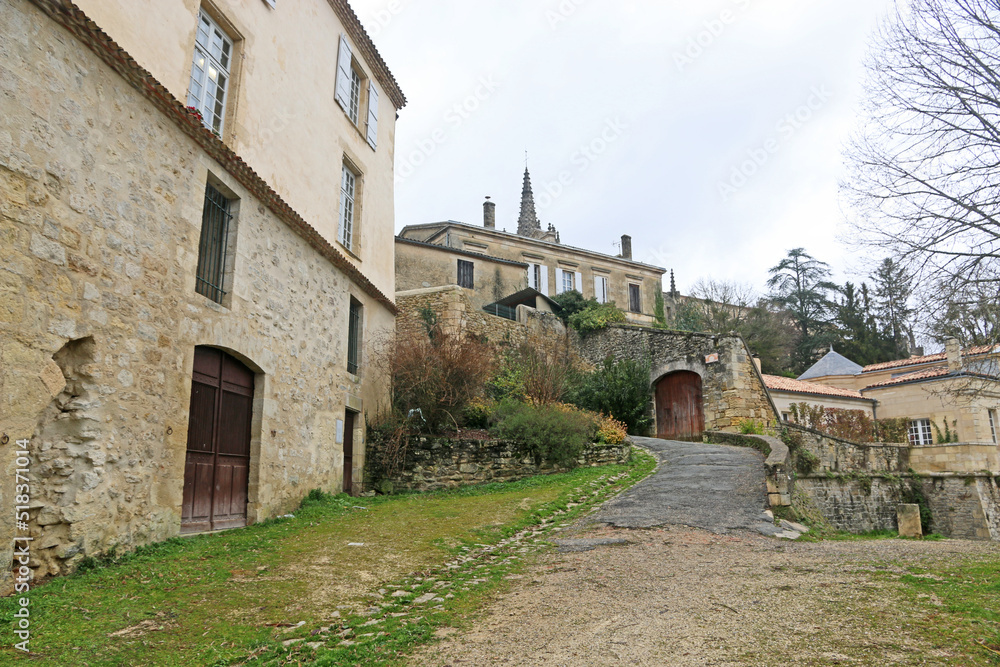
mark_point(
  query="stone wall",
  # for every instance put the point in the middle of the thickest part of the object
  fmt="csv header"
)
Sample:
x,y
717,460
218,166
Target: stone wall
x,y
101,197
853,505
839,455
444,463
961,506
456,315
955,457
732,388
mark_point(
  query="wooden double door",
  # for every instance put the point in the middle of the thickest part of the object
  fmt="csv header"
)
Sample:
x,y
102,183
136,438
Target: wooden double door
x,y
217,467
680,411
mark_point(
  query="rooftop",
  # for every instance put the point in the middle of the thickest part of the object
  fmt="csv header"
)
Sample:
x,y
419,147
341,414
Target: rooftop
x,y
832,363
778,383
929,358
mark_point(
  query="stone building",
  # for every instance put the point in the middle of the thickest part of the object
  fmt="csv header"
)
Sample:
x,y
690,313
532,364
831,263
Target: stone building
x,y
951,396
475,254
195,220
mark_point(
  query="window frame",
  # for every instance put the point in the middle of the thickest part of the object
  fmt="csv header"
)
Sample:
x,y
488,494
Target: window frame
x,y
354,104
919,432
469,270
348,213
992,416
601,295
355,335
216,251
568,281
197,97
635,307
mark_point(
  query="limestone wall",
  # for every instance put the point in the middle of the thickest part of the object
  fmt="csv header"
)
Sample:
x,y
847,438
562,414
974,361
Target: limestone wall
x,y
838,455
443,463
732,388
852,505
957,457
102,197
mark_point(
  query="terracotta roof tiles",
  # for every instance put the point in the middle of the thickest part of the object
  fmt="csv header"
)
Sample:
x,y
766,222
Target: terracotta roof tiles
x,y
778,383
927,359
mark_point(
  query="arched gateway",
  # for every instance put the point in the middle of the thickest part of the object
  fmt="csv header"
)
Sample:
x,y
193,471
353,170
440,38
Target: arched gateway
x,y
680,412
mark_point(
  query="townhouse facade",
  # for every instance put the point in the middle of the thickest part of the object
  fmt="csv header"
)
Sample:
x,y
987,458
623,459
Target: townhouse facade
x,y
475,254
198,211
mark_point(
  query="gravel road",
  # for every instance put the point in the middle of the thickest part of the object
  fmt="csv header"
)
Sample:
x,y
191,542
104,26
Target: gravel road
x,y
673,572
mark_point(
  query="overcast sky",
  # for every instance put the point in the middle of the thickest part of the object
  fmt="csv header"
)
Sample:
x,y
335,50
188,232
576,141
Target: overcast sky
x,y
709,131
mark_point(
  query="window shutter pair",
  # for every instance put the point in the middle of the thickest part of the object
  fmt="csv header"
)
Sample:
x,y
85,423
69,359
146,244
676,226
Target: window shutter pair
x,y
343,91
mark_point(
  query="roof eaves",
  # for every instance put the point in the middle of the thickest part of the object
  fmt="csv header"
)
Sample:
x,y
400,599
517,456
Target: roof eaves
x,y
357,31
459,251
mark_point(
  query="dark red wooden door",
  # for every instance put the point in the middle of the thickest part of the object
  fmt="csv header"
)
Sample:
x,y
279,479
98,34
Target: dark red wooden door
x,y
348,451
680,413
217,469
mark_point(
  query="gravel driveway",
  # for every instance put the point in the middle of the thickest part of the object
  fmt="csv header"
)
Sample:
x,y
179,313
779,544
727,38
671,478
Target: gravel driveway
x,y
676,574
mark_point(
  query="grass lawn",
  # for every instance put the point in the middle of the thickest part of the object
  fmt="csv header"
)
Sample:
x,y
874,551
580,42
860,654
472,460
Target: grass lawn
x,y
313,582
959,603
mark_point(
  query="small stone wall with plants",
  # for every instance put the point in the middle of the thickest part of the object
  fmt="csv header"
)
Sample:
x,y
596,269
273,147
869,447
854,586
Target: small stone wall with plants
x,y
445,462
469,408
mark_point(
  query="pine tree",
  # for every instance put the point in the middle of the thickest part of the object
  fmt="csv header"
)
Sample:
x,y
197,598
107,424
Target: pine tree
x,y
800,284
893,289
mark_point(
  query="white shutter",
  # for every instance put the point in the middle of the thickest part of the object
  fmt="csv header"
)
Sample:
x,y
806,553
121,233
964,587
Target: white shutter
x,y
597,289
545,280
531,276
559,280
343,93
372,114
578,282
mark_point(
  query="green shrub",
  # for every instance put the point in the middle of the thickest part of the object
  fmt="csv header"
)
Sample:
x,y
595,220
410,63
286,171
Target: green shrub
x,y
596,316
752,427
556,433
572,302
540,373
620,388
805,461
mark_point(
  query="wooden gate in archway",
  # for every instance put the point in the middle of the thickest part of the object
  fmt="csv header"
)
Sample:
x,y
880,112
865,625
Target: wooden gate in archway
x,y
217,467
680,411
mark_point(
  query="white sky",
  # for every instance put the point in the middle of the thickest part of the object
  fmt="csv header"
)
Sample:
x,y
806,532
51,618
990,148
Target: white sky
x,y
666,125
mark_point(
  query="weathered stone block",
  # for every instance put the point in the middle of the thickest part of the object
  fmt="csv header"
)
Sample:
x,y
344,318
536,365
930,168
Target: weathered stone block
x,y
908,518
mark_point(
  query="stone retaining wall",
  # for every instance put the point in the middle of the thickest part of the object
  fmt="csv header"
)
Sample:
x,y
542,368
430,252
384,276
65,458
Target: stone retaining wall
x,y
444,463
778,461
838,455
955,457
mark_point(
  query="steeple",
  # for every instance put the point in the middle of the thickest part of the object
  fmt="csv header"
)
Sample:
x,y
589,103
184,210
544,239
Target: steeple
x,y
527,222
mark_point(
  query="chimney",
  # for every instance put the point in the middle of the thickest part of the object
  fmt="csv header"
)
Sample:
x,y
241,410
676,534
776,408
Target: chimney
x,y
626,246
489,214
953,351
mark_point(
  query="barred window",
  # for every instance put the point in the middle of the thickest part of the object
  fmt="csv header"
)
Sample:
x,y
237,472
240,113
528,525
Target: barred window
x,y
993,425
215,222
354,324
213,52
466,275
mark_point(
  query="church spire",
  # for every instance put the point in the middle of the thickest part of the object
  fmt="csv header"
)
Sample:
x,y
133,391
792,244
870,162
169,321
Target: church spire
x,y
527,222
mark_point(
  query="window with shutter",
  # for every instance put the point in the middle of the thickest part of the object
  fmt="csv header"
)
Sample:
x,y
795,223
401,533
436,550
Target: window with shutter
x,y
344,73
544,271
372,134
601,289
559,281
532,276
465,274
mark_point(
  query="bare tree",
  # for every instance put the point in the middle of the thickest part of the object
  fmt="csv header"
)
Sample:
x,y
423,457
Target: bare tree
x,y
723,304
925,167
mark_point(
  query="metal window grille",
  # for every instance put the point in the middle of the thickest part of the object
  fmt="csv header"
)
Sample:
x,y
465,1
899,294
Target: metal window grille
x,y
213,53
354,339
215,218
347,187
355,105
993,425
633,299
465,274
500,310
